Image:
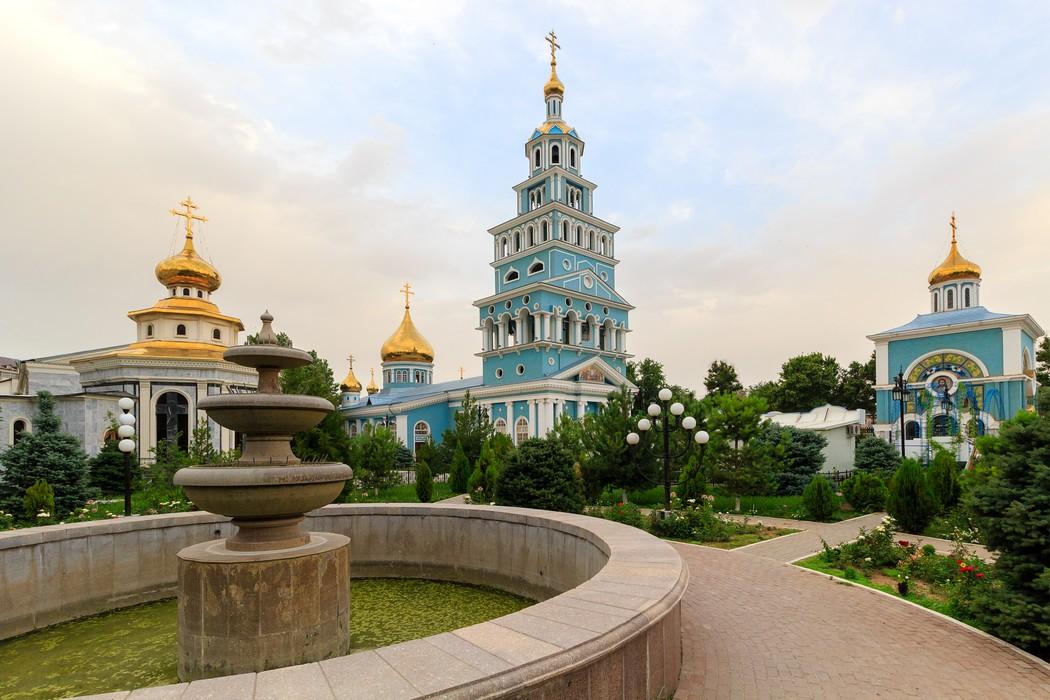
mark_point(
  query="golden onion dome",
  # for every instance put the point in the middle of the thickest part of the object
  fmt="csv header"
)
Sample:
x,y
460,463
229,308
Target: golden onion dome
x,y
955,266
372,387
186,267
553,86
407,344
350,383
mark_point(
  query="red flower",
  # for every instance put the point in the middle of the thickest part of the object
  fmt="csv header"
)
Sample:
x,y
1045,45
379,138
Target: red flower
x,y
980,574
902,543
966,569
959,562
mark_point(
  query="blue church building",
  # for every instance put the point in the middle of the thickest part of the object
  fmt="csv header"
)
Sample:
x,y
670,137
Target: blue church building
x,y
554,329
967,368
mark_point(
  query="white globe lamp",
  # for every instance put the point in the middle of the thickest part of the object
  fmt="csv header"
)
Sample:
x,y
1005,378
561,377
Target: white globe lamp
x,y
633,438
677,409
644,424
689,422
126,404
665,394
702,437
653,410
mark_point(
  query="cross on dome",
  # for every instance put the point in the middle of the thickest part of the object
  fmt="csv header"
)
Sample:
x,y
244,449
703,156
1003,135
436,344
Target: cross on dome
x,y
552,39
188,215
407,291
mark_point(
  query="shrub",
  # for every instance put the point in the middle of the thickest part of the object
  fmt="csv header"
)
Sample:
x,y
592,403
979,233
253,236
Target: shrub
x,y
943,477
819,498
486,472
459,472
691,481
106,469
39,499
626,513
910,502
539,474
865,492
45,454
875,455
424,482
672,524
872,548
800,456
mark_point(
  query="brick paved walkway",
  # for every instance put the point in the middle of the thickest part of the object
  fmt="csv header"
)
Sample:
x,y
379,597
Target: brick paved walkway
x,y
754,627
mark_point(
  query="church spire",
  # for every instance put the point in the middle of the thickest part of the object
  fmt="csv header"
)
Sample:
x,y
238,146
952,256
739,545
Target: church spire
x,y
553,90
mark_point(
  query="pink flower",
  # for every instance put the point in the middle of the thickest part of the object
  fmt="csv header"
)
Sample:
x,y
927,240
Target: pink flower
x,y
980,574
902,543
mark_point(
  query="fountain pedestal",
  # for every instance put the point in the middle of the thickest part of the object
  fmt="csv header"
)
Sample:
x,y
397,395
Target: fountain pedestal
x,y
273,594
242,611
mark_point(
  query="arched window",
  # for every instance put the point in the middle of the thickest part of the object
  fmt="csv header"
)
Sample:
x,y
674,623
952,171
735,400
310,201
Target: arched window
x,y
966,297
500,425
535,267
565,230
511,276
200,294
173,418
503,247
543,231
936,301
149,331
579,235
185,292
421,433
530,238
173,291
517,241
943,426
912,430
521,430
216,334
18,429
536,157
602,246
180,329
949,300
572,157
555,154
353,429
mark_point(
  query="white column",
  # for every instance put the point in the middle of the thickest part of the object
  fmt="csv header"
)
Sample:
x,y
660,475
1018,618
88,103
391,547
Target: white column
x,y
548,416
537,327
556,327
144,421
578,327
509,407
534,418
581,408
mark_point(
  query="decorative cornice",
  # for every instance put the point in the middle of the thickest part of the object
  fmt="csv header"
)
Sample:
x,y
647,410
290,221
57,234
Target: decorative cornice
x,y
549,207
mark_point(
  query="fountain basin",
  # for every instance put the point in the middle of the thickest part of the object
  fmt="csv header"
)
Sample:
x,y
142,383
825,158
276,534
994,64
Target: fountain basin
x,y
266,414
249,491
276,356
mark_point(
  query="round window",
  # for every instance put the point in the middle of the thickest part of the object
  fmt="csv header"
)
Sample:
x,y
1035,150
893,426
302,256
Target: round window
x,y
499,373
605,276
588,281
507,305
525,299
492,309
550,361
568,301
605,310
566,264
520,369
587,306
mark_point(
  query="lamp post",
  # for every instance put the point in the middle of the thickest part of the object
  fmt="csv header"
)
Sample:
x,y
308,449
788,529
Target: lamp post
x,y
125,432
670,412
900,395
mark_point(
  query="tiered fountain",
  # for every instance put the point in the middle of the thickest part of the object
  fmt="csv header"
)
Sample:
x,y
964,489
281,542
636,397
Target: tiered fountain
x,y
273,594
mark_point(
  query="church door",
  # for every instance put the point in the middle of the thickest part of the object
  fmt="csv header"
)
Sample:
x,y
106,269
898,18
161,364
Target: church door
x,y
173,418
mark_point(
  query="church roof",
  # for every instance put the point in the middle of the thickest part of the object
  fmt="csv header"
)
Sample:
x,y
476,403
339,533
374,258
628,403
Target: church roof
x,y
824,417
392,397
944,319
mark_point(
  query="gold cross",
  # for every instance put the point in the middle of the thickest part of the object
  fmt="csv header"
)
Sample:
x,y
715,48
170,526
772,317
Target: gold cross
x,y
460,372
552,39
350,358
188,215
953,227
407,290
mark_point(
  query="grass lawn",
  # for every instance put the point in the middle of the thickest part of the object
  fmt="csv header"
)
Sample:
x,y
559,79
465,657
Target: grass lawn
x,y
885,580
400,493
745,538
775,506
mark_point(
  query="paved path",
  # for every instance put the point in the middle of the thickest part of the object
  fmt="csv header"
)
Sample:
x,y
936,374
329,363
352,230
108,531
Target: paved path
x,y
755,627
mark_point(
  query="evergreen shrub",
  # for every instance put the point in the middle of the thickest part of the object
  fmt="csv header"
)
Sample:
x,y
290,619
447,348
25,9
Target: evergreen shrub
x,y
39,498
865,492
424,482
459,472
819,498
910,501
943,477
539,474
874,454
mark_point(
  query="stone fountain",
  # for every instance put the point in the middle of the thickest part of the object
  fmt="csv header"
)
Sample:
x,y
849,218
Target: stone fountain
x,y
273,594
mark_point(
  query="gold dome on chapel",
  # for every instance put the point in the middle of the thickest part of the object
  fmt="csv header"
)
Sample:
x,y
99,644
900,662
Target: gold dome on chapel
x,y
955,266
350,382
186,267
372,387
553,86
407,344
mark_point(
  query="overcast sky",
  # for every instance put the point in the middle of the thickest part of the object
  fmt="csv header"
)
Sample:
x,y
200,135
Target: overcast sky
x,y
783,173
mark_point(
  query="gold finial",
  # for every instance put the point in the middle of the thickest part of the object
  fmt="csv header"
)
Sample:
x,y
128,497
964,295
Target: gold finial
x,y
350,359
552,39
460,372
407,290
953,227
188,215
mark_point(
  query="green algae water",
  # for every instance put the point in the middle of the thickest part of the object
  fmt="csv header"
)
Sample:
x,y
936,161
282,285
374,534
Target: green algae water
x,y
136,647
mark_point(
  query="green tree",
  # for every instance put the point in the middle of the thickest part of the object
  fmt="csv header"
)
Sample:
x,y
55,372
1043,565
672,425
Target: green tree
x,y
865,491
610,460
202,451
856,387
472,429
799,455
540,475
910,501
486,472
106,469
739,462
373,457
1014,510
424,482
648,376
459,472
807,381
943,477
1042,359
819,498
692,483
722,379
39,498
873,454
45,454
769,392
328,440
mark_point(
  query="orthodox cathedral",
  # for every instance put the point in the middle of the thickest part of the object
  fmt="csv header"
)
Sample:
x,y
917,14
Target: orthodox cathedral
x,y
966,368
175,360
554,330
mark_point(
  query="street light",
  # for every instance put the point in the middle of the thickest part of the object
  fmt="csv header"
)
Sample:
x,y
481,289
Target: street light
x,y
672,420
125,432
900,395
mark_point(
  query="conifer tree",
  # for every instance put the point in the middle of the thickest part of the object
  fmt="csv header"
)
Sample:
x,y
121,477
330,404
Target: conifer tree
x,y
943,477
424,482
459,473
910,502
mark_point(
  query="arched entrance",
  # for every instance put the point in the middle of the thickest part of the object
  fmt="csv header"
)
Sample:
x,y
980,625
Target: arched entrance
x,y
173,419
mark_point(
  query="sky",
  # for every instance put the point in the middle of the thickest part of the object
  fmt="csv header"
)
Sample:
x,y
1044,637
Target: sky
x,y
783,173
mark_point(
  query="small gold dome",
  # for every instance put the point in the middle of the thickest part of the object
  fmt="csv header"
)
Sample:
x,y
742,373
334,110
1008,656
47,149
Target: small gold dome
x,y
372,387
955,266
553,86
407,344
186,267
350,383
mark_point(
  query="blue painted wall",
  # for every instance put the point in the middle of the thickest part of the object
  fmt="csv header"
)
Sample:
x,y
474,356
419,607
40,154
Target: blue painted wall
x,y
986,345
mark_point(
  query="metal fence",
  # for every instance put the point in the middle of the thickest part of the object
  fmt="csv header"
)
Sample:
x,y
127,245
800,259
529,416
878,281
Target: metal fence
x,y
837,477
